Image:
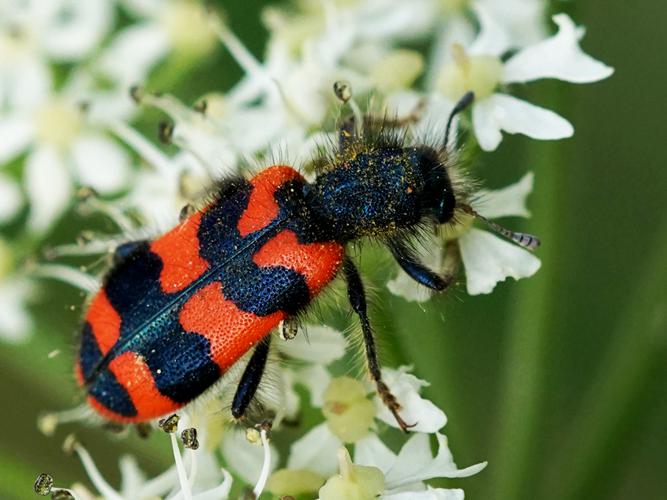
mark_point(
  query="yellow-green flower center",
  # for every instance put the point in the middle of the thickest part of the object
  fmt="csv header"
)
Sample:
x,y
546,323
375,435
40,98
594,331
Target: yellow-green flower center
x,y
355,482
480,74
348,411
6,259
294,482
58,123
397,70
453,6
189,27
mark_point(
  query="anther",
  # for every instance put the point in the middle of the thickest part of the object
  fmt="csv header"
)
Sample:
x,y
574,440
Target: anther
x,y
165,132
62,495
186,212
137,93
343,90
143,430
287,329
43,484
189,438
170,424
201,106
70,444
114,427
85,193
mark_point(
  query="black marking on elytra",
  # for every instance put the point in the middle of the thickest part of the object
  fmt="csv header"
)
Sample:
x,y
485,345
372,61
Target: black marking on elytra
x,y
180,361
110,394
89,352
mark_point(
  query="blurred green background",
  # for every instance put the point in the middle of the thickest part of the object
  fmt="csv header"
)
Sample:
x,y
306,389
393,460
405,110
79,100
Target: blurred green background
x,y
559,381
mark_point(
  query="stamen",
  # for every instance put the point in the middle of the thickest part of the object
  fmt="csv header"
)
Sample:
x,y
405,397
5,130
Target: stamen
x,y
43,484
182,475
266,466
96,247
170,425
91,201
239,52
220,491
71,444
66,274
156,158
525,240
288,329
48,423
343,91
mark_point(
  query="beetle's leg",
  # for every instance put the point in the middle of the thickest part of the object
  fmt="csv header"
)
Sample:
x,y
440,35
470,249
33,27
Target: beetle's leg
x,y
418,271
288,328
357,296
252,376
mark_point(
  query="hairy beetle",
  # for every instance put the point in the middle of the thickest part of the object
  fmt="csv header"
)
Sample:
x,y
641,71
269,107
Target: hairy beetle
x,y
176,313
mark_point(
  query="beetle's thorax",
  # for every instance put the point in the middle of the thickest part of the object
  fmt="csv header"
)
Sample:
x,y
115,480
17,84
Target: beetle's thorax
x,y
378,192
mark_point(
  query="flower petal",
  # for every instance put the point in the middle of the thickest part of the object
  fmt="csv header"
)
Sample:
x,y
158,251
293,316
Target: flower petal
x,y
503,112
245,458
506,202
15,322
48,186
26,82
316,379
101,163
11,199
428,494
557,57
317,344
415,463
315,451
492,38
370,451
416,410
75,28
16,132
488,260
124,63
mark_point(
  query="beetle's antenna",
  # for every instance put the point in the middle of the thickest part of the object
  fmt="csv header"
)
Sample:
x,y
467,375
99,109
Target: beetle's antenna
x,y
524,240
463,103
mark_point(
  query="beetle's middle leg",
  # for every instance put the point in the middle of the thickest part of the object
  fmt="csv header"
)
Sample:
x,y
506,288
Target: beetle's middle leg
x,y
357,296
252,376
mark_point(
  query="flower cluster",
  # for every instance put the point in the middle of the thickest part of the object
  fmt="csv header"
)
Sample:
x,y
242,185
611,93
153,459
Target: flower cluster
x,y
72,83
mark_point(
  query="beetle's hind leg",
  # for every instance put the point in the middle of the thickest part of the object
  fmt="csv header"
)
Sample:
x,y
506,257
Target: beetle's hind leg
x,y
357,296
251,378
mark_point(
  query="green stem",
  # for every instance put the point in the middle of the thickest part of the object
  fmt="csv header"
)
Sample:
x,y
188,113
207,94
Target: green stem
x,y
528,330
630,380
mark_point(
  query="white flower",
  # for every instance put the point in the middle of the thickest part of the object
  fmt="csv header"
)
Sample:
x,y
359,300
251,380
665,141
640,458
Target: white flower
x,y
487,258
315,348
15,321
352,416
63,150
480,69
378,471
11,198
163,26
196,474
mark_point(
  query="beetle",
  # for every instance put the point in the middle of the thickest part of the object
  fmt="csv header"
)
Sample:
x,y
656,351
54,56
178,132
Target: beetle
x,y
175,313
